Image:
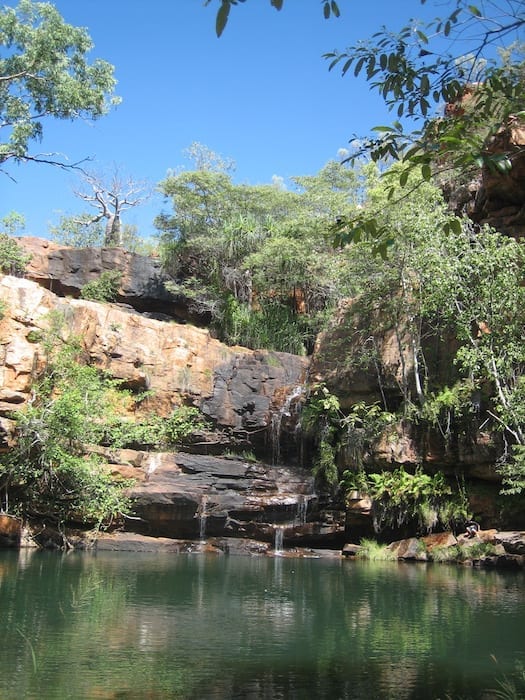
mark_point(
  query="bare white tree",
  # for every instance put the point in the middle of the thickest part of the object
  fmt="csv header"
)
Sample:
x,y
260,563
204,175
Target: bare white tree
x,y
111,197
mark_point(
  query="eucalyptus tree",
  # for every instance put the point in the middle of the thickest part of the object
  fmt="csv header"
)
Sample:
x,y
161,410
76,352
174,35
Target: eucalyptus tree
x,y
262,245
469,58
45,73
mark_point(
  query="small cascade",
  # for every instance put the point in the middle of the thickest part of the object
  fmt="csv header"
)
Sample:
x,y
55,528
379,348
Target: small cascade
x,y
302,509
277,419
279,539
153,464
201,513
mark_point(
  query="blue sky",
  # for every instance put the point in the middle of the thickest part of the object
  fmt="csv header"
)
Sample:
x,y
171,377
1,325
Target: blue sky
x,y
261,95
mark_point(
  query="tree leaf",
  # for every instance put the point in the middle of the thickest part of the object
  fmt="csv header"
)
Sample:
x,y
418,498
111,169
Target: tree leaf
x,y
278,4
426,172
222,17
359,66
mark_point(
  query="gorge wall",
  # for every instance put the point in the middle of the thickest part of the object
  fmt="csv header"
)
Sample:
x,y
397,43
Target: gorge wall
x,y
252,399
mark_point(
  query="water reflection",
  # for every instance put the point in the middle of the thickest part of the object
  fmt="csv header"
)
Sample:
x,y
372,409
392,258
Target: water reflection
x,y
150,626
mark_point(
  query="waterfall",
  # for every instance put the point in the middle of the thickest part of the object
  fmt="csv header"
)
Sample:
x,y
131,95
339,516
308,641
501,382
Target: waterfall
x,y
201,513
277,419
153,464
279,539
302,509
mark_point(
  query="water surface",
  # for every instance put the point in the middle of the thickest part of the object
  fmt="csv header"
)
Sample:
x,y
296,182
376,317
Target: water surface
x,y
132,626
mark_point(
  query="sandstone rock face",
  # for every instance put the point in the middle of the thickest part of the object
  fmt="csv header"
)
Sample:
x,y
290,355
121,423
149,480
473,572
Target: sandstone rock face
x,y
238,389
248,395
500,200
493,197
333,361
253,400
143,285
10,531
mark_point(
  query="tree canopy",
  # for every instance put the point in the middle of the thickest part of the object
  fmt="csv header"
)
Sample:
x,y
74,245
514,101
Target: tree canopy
x,y
469,59
255,256
45,73
470,62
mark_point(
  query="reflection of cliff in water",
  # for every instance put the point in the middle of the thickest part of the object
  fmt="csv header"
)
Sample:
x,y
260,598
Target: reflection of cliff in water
x,y
135,626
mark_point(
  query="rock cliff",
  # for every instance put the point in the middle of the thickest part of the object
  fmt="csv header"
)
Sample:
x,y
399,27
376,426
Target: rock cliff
x,y
251,397
247,396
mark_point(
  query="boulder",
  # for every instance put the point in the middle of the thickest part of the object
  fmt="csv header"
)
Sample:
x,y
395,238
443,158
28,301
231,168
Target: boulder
x,y
513,542
411,549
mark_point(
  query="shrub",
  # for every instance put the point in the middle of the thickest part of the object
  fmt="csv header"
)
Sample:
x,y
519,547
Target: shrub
x,y
48,473
104,288
400,498
375,551
13,259
155,431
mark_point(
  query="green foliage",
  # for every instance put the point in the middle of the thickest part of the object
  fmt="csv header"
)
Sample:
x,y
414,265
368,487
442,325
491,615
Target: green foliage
x,y
45,73
78,231
325,465
363,425
48,472
257,258
321,409
512,470
154,431
421,499
104,288
462,552
184,421
448,406
414,73
374,551
479,294
273,327
13,259
513,687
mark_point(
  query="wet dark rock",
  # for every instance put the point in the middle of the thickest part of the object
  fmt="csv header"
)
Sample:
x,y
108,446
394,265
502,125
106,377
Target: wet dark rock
x,y
190,496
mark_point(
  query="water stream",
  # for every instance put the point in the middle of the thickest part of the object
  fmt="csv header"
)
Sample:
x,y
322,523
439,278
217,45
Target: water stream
x,y
285,411
202,515
279,539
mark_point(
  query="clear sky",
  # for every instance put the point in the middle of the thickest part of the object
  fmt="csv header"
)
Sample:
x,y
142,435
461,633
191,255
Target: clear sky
x,y
261,95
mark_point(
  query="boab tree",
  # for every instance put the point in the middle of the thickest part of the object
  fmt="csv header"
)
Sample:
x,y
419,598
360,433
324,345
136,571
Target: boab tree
x,y
110,197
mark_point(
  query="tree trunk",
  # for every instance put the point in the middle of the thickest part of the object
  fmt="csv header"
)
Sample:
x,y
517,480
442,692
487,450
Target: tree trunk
x,y
112,236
